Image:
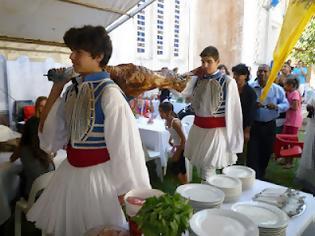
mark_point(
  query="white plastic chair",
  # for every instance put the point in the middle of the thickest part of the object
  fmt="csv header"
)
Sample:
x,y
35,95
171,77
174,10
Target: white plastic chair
x,y
187,122
154,155
22,205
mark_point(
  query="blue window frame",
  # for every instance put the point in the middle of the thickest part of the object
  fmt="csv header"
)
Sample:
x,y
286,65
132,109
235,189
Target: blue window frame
x,y
140,22
160,27
140,39
141,29
140,50
176,27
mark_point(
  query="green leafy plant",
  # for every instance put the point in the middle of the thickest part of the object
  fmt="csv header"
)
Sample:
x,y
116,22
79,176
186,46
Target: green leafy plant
x,y
305,47
167,215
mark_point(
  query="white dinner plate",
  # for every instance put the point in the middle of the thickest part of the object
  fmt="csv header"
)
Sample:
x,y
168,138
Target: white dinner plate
x,y
264,215
201,193
239,171
224,181
221,222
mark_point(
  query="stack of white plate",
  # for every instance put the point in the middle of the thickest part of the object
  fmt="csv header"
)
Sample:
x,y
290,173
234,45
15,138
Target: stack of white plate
x,y
271,220
245,174
201,196
232,187
221,222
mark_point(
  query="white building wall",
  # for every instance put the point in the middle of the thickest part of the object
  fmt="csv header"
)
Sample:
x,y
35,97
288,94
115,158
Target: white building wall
x,y
124,39
261,29
274,27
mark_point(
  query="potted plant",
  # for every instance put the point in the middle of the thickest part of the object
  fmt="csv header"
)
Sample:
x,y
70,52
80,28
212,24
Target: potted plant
x,y
167,215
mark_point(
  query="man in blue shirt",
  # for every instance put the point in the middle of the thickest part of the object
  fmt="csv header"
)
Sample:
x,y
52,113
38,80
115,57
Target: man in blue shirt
x,y
300,71
263,131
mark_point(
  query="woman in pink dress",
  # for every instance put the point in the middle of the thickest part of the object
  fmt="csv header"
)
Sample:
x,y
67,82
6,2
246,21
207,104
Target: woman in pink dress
x,y
293,118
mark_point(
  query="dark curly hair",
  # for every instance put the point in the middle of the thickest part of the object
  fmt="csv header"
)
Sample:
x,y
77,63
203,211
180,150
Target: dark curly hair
x,y
292,80
93,39
241,69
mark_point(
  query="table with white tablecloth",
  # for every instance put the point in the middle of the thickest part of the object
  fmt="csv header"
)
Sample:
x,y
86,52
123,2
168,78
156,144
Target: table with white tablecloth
x,y
298,224
154,136
10,181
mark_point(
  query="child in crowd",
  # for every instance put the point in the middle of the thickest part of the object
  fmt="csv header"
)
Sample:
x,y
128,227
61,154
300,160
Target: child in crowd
x,y
105,158
177,140
281,79
217,133
293,117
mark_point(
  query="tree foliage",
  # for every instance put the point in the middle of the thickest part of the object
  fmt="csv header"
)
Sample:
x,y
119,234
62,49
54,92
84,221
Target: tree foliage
x,y
305,47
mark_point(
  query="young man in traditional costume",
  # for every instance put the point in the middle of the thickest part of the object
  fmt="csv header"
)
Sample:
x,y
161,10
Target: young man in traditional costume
x,y
217,133
105,158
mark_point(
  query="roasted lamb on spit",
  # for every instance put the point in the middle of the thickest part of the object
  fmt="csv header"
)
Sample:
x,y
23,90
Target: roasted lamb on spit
x,y
134,80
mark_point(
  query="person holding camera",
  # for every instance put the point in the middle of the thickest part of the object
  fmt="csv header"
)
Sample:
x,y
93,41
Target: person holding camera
x,y
306,172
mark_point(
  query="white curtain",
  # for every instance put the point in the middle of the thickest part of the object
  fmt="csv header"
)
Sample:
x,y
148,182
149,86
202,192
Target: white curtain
x,y
25,79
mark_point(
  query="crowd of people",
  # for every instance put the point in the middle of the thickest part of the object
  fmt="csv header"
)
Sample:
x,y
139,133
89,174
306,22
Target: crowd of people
x,y
105,158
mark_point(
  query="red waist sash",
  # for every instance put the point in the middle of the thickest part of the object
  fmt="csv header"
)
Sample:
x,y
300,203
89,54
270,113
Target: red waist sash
x,y
209,122
86,157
